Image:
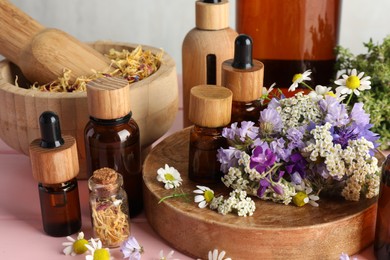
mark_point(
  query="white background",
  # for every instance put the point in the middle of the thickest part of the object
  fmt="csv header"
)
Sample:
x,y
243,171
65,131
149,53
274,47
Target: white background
x,y
164,23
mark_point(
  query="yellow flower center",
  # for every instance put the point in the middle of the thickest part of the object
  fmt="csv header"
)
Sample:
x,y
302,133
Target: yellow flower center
x,y
300,199
208,196
353,82
296,77
79,246
101,254
169,177
330,93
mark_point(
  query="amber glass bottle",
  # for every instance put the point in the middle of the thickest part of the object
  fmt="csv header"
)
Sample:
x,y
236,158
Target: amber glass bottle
x,y
290,37
112,137
210,110
55,166
244,77
382,235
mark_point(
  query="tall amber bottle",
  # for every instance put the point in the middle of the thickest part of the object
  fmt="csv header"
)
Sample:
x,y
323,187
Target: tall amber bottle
x,y
382,234
210,110
205,47
290,37
55,166
244,77
112,137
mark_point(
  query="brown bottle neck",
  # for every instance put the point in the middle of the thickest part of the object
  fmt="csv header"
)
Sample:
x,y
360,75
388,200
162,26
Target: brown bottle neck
x,y
111,122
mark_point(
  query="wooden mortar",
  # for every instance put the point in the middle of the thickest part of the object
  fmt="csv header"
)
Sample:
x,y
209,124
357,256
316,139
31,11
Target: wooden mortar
x,y
154,103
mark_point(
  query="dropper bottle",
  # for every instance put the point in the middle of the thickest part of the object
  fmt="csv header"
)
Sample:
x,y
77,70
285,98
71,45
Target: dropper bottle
x,y
55,166
205,47
244,77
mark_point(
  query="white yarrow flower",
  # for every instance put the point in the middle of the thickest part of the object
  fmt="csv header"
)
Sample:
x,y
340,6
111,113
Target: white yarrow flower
x,y
205,197
299,78
170,176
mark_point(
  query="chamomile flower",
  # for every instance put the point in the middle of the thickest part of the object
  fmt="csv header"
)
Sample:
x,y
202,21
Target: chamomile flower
x,y
97,252
75,246
304,195
169,176
320,92
205,197
168,257
353,83
299,78
131,249
215,255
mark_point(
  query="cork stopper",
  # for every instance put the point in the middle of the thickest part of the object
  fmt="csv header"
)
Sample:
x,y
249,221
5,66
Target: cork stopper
x,y
105,181
54,165
212,15
108,98
210,106
243,75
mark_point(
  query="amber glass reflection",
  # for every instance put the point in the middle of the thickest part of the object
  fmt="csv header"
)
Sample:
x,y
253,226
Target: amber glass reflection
x,y
116,144
204,167
60,208
246,111
382,232
290,37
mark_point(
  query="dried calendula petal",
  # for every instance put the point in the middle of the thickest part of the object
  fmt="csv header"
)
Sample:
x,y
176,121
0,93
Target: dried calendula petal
x,y
132,65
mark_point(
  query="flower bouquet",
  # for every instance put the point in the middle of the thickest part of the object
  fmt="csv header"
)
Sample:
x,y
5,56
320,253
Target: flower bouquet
x,y
304,146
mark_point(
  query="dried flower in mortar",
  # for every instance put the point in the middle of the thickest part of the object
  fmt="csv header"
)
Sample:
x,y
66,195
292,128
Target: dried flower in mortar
x,y
132,65
305,145
109,207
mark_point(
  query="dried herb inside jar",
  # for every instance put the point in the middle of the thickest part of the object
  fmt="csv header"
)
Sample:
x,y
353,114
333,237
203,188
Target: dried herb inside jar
x,y
109,207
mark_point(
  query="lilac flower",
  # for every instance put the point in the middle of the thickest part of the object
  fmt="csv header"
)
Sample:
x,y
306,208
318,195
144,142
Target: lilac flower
x,y
321,169
248,129
278,147
230,132
358,115
337,115
296,178
262,157
274,103
341,135
131,249
264,184
228,158
270,121
295,136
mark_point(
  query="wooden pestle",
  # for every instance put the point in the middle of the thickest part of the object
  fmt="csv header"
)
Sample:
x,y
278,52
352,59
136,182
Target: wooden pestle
x,y
41,53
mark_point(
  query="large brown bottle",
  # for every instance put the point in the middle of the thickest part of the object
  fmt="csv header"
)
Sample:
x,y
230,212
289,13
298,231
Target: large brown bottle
x,y
205,47
112,137
382,232
290,37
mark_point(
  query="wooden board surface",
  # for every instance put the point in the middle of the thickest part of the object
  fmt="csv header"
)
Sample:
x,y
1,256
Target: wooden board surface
x,y
275,231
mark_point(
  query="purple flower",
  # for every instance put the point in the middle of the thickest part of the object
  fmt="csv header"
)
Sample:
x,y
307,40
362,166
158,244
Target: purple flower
x,y
278,148
341,135
270,121
228,158
262,157
358,115
131,249
295,136
336,113
274,103
264,184
230,132
296,164
248,129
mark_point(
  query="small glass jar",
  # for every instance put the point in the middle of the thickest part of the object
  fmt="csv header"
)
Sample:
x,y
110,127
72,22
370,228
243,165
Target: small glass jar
x,y
109,207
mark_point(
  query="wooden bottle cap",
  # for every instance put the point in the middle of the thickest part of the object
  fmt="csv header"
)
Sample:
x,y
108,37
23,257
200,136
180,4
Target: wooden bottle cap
x,y
212,16
108,98
54,165
246,84
210,106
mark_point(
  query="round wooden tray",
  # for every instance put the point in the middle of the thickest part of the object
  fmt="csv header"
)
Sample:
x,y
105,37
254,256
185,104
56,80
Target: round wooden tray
x,y
275,231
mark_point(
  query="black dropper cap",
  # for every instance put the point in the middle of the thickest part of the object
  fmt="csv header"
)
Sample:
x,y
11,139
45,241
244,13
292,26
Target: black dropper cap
x,y
49,124
211,1
242,52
